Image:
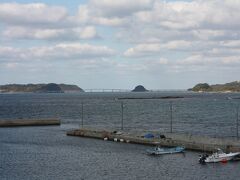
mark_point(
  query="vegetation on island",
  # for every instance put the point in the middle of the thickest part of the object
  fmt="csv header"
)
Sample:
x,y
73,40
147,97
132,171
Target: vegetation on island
x,y
228,87
40,88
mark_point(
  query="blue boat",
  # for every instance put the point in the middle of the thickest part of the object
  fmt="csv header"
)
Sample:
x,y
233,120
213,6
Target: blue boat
x,y
159,151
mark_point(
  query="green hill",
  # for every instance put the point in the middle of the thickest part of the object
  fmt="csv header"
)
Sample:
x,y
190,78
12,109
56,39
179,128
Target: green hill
x,y
40,88
228,87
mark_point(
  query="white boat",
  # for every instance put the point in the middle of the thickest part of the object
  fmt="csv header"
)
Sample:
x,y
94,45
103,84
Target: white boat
x,y
159,151
218,156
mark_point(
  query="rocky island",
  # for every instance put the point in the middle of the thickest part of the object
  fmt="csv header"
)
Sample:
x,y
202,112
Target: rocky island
x,y
40,88
139,88
228,87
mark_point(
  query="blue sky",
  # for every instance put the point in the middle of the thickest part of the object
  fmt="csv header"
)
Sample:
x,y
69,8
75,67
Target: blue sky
x,y
160,44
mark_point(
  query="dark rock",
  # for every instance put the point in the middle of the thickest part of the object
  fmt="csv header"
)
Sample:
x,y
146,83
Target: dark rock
x,y
139,88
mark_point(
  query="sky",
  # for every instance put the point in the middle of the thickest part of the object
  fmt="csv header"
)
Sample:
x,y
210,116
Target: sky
x,y
160,44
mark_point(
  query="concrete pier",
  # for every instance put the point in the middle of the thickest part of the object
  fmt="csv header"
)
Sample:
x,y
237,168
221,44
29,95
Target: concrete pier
x,y
190,142
29,122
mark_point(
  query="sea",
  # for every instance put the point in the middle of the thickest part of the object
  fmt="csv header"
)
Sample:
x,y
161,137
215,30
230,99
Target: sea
x,y
45,152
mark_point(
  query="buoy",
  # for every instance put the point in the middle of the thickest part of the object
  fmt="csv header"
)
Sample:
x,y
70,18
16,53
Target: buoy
x,y
115,139
224,161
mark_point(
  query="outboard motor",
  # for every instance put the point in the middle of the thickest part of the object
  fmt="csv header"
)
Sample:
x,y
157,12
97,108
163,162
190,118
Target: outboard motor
x,y
202,158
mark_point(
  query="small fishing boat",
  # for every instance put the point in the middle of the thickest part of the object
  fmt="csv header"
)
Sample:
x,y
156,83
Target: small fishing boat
x,y
159,151
218,156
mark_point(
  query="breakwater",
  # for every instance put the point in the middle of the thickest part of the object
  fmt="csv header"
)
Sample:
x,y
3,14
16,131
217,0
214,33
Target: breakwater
x,y
190,142
29,122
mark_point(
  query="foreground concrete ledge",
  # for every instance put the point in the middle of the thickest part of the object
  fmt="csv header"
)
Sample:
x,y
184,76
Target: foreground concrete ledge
x,y
190,142
29,122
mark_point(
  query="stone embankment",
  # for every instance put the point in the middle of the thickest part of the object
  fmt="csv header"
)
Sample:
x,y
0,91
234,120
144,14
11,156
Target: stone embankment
x,y
29,122
190,142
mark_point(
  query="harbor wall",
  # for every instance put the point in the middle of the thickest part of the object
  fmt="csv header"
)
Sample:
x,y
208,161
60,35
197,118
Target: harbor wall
x,y
190,142
29,122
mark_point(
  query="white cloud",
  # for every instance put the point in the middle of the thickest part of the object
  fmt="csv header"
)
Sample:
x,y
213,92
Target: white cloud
x,y
231,60
206,27
156,48
143,50
208,34
162,61
42,22
35,13
12,65
109,8
64,51
176,35
198,14
74,50
111,13
86,33
9,53
210,62
194,60
172,15
231,44
19,32
87,15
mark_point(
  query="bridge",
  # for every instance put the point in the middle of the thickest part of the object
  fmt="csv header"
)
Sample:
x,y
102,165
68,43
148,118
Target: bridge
x,y
107,90
129,90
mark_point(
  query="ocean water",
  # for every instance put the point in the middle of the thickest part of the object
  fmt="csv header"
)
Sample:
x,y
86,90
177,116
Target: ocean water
x,y
47,153
212,114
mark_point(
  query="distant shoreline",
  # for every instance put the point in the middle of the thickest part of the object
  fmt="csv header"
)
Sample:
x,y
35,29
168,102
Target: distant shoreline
x,y
220,88
39,88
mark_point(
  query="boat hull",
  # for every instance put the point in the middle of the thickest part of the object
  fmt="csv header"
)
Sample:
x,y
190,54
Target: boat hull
x,y
218,157
161,151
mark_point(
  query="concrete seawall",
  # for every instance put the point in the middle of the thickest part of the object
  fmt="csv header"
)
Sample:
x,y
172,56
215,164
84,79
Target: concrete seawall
x,y
29,122
190,142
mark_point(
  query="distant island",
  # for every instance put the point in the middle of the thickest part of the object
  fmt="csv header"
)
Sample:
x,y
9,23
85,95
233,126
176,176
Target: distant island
x,y
40,88
228,87
139,88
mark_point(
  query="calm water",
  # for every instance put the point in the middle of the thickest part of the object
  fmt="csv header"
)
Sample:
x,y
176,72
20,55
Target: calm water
x,y
47,153
211,114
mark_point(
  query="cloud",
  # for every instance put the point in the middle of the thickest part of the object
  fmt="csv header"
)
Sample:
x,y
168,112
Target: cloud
x,y
73,51
172,15
34,13
19,32
174,34
231,44
156,48
232,61
10,53
42,22
87,15
209,62
212,14
195,60
109,8
111,13
63,51
203,25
